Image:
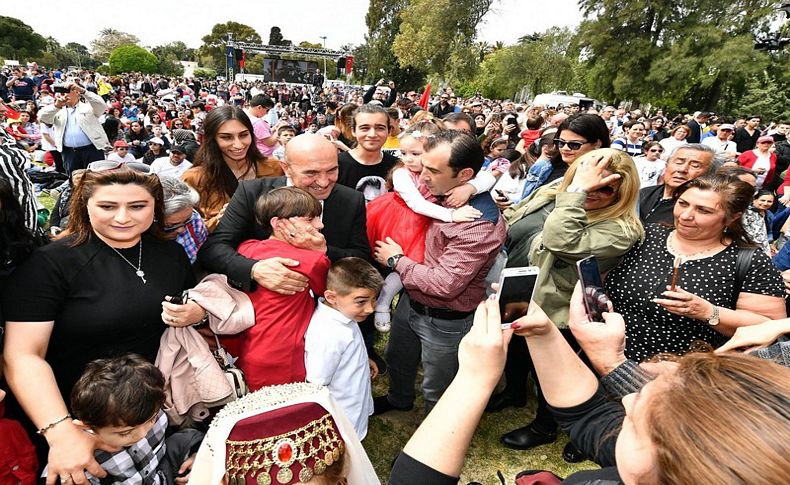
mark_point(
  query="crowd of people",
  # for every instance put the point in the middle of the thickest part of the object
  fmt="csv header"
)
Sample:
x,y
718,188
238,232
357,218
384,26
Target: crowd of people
x,y
202,304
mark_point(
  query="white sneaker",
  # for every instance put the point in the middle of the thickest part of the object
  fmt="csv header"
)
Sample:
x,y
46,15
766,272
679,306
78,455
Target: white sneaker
x,y
381,320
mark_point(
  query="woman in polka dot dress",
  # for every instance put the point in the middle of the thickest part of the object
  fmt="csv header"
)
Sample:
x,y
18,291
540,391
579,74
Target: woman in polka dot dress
x,y
704,305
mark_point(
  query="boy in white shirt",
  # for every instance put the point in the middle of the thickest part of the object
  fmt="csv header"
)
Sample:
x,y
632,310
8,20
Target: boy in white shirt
x,y
335,354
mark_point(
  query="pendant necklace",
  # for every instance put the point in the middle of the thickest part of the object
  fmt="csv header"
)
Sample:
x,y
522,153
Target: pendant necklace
x,y
139,268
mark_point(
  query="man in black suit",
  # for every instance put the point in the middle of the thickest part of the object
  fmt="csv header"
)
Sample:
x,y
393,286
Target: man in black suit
x,y
311,164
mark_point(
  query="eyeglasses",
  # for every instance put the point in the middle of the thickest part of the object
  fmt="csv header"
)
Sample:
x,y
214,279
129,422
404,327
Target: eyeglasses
x,y
180,224
572,145
656,150
109,165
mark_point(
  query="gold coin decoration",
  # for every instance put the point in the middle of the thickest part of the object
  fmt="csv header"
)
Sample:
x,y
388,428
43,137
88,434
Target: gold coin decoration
x,y
319,467
284,475
336,454
263,478
306,474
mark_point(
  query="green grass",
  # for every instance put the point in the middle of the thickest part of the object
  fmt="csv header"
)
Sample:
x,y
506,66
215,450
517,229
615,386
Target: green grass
x,y
387,434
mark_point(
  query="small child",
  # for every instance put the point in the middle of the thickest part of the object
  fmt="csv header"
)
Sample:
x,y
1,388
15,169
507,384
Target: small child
x,y
272,351
335,354
284,135
119,400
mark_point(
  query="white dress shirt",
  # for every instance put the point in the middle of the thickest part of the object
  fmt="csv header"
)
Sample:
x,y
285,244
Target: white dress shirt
x,y
335,356
163,167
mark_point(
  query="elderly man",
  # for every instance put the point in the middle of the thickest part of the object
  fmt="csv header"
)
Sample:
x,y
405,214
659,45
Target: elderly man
x,y
444,290
79,135
686,163
311,164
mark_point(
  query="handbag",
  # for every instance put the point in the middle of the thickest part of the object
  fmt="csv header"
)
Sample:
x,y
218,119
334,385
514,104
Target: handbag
x,y
234,375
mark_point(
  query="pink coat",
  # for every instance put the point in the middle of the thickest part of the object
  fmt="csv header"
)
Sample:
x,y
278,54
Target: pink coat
x,y
194,381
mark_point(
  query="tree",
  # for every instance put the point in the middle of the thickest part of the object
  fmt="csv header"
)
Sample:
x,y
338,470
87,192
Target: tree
x,y
78,55
175,51
765,98
375,58
431,31
214,43
132,58
276,37
310,45
108,40
19,41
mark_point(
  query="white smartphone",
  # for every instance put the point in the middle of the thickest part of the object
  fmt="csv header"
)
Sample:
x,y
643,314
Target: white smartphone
x,y
516,287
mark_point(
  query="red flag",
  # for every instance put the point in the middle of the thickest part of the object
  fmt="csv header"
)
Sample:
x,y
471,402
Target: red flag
x,y
349,64
426,96
243,59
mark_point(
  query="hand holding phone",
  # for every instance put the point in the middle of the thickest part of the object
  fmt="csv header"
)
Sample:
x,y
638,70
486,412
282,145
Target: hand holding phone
x,y
516,288
596,302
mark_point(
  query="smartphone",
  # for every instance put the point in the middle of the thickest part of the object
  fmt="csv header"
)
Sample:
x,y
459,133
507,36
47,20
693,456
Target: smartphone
x,y
180,299
501,194
595,300
516,287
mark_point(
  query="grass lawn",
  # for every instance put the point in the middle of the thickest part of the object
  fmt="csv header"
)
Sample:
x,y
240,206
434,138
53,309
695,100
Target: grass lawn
x,y
387,434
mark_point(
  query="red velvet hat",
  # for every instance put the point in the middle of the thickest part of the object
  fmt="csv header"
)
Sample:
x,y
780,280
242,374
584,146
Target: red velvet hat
x,y
284,446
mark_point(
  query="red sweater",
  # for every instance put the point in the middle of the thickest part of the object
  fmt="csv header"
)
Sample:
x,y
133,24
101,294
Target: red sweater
x,y
272,351
748,158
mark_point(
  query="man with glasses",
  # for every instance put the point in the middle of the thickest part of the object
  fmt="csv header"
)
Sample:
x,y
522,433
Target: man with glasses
x,y
120,152
721,142
443,107
686,163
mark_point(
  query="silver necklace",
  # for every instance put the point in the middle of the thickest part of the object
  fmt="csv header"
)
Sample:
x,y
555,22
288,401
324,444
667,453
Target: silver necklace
x,y
686,257
139,268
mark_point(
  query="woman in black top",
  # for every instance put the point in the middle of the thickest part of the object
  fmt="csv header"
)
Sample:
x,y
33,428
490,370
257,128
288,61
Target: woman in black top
x,y
94,293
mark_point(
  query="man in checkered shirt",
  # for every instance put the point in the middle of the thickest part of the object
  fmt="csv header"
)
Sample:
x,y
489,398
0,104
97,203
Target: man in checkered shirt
x,y
444,290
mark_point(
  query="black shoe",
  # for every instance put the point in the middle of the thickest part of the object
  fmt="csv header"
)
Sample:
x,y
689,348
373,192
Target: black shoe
x,y
527,437
504,400
571,454
383,405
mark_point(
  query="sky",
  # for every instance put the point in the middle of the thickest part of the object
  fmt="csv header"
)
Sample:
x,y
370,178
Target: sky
x,y
158,22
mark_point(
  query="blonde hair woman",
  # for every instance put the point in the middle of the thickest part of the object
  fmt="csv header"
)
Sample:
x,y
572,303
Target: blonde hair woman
x,y
590,212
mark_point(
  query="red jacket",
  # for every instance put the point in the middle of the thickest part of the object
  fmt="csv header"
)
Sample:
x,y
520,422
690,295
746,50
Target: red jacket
x,y
18,463
748,158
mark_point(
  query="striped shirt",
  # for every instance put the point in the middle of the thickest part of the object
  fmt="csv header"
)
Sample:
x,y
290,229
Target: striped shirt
x,y
458,256
12,169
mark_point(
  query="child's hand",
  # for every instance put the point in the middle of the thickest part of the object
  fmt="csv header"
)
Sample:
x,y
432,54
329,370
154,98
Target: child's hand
x,y
374,369
185,470
459,196
466,213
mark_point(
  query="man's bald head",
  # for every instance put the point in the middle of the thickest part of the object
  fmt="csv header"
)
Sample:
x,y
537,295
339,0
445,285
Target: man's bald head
x,y
311,164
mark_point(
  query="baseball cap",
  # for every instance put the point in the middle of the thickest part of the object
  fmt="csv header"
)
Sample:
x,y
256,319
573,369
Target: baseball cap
x,y
177,148
727,126
120,144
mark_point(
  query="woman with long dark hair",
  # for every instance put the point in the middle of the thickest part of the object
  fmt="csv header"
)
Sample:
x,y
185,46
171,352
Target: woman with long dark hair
x,y
227,156
137,138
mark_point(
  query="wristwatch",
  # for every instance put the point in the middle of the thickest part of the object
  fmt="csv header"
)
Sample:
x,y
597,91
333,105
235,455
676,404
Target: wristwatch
x,y
393,260
713,320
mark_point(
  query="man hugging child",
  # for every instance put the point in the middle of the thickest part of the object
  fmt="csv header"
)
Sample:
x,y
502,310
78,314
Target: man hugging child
x,y
119,400
335,354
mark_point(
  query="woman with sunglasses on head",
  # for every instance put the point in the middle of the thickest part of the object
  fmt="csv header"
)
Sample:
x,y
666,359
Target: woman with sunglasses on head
x,y
96,292
227,156
676,138
591,212
650,166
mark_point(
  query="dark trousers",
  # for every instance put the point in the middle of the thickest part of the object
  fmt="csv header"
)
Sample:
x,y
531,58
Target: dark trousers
x,y
519,366
80,157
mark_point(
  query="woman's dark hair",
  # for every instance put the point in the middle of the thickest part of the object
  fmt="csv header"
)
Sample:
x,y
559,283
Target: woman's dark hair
x,y
763,192
591,127
520,166
736,196
79,226
16,240
142,136
217,176
628,124
647,146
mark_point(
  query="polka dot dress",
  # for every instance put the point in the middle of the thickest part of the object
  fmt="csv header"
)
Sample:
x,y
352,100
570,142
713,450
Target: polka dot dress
x,y
645,273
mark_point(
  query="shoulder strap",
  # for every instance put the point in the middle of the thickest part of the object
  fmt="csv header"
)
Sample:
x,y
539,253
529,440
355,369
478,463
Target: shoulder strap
x,y
742,263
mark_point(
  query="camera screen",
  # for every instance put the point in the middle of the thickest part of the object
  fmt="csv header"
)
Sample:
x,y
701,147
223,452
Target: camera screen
x,y
514,296
595,299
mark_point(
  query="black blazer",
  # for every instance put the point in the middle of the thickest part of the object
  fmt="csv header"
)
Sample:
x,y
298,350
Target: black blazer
x,y
344,229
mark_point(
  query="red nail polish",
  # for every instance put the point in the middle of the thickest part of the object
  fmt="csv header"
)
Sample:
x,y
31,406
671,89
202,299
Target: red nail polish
x,y
515,326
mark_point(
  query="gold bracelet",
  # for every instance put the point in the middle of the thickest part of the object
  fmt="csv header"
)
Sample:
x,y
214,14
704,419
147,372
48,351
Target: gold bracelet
x,y
53,424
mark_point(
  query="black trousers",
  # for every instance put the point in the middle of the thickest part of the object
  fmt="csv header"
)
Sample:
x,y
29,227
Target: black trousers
x,y
80,157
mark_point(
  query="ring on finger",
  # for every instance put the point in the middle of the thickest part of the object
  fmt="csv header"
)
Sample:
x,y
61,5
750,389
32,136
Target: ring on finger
x,y
292,234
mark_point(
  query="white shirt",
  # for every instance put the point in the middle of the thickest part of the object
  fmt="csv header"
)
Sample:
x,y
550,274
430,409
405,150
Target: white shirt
x,y
720,146
162,166
117,158
649,172
335,356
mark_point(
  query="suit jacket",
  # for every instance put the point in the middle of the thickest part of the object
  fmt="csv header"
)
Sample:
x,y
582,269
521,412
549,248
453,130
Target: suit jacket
x,y
344,229
87,117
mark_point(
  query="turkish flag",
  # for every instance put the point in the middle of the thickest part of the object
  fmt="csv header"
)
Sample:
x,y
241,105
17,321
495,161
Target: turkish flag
x,y
349,64
243,59
426,96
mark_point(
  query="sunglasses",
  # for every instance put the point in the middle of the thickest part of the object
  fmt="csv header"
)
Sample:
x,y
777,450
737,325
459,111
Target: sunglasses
x,y
572,145
109,165
180,224
606,190
656,150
